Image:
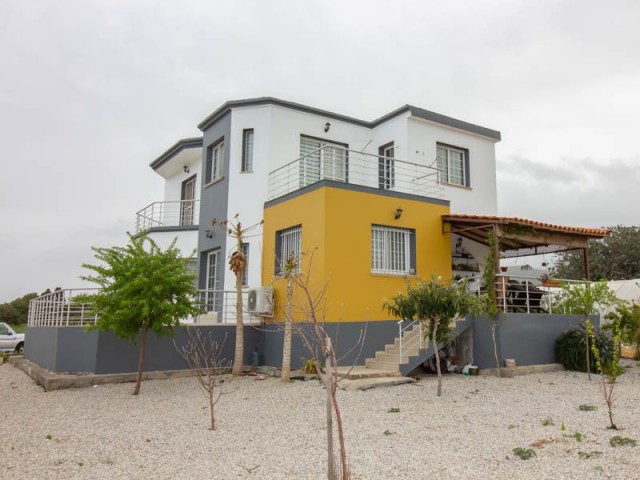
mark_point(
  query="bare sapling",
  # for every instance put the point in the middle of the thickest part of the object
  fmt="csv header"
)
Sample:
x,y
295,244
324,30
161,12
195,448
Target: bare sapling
x,y
318,343
610,368
203,355
290,269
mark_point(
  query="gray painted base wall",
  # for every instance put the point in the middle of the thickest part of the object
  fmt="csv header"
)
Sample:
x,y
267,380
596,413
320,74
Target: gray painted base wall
x,y
74,350
529,339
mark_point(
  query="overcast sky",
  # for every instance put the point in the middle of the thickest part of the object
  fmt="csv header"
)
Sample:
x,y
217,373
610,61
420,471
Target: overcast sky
x,y
91,92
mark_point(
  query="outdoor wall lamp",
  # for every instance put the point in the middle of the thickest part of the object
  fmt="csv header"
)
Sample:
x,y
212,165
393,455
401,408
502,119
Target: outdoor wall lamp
x,y
208,233
398,213
185,168
327,126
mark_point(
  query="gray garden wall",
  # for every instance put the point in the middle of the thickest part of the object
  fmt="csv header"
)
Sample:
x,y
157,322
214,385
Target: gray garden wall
x,y
529,339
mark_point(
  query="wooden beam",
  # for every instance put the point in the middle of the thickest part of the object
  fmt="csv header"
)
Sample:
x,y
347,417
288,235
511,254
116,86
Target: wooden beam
x,y
546,238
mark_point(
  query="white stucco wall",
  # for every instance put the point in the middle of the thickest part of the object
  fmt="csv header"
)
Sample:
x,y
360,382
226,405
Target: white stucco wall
x,y
187,241
481,197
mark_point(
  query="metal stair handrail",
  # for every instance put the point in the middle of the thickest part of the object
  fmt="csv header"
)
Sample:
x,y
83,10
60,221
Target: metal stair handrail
x,y
403,331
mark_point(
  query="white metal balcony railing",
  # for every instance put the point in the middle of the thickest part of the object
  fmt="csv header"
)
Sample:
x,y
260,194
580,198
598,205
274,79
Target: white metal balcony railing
x,y
68,308
358,168
168,214
527,295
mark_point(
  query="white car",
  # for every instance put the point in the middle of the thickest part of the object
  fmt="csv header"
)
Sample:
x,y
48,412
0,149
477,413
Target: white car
x,y
10,341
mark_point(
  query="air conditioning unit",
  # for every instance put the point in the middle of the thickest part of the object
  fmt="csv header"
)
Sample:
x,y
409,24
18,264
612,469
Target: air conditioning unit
x,y
260,301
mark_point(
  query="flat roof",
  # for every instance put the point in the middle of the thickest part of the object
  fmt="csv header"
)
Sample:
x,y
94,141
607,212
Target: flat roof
x,y
175,149
413,111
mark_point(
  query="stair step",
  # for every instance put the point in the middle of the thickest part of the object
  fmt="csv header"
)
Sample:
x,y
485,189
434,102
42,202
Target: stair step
x,y
395,350
377,365
391,358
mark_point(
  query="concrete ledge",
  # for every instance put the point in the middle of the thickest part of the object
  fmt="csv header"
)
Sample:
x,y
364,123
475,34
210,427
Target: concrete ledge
x,y
57,381
525,370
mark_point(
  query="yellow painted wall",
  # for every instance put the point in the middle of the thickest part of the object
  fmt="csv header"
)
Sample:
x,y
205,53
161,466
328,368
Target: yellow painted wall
x,y
336,225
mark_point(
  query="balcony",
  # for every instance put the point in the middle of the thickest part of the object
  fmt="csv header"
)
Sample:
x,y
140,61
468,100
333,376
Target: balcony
x,y
356,168
168,215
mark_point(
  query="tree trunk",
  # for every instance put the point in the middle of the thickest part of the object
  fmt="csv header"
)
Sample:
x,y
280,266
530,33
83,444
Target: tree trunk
x,y
143,341
286,348
495,346
437,352
331,474
343,449
586,333
211,407
238,362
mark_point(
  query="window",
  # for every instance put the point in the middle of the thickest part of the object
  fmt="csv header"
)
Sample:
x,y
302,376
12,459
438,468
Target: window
x,y
386,167
320,159
247,150
392,250
245,274
215,162
288,243
453,165
187,204
212,280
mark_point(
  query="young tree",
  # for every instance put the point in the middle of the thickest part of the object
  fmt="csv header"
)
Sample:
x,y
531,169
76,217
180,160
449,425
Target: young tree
x,y
142,288
317,341
610,369
238,263
290,271
487,302
585,299
435,305
204,357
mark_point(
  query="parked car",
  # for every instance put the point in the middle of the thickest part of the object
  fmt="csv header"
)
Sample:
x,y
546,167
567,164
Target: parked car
x,y
10,341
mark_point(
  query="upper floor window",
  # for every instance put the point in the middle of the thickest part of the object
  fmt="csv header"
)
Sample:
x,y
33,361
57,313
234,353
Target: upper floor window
x,y
453,165
288,249
215,162
386,167
320,159
247,150
392,250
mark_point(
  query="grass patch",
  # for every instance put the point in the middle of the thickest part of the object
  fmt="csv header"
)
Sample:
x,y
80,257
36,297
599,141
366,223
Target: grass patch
x,y
578,436
393,410
387,433
18,328
524,453
589,455
547,422
587,408
619,441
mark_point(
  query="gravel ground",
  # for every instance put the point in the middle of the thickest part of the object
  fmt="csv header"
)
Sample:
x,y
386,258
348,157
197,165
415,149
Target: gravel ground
x,y
267,430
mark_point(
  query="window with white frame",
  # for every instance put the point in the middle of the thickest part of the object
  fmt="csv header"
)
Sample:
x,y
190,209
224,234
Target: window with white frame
x,y
452,165
245,274
212,281
247,150
320,159
386,167
215,162
288,247
392,250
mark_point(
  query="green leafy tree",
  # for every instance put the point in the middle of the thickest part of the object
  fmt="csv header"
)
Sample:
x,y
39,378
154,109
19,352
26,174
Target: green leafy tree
x,y
585,299
627,315
435,305
142,288
16,311
616,257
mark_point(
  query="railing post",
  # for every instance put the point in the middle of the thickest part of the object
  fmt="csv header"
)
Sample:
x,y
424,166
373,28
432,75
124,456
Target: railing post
x,y
400,336
526,283
504,294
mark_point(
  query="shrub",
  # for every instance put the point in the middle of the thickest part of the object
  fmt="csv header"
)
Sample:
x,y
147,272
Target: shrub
x,y
570,348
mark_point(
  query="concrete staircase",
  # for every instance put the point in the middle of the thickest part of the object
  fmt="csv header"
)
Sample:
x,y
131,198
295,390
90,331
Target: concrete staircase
x,y
413,351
